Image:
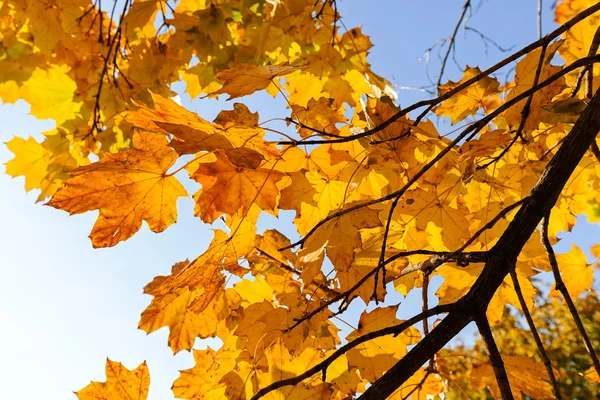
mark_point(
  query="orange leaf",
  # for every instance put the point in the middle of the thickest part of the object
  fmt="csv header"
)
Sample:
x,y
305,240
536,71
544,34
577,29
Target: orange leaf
x,y
228,189
244,79
524,375
469,100
128,187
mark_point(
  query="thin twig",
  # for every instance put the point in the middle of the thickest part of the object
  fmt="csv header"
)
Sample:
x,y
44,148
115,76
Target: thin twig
x,y
452,41
539,18
560,286
596,151
535,334
495,357
419,385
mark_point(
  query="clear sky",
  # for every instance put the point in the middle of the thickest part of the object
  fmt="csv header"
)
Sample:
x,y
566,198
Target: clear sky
x,y
66,307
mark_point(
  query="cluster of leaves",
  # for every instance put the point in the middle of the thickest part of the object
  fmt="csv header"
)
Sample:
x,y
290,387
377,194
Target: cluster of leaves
x,y
382,201
559,333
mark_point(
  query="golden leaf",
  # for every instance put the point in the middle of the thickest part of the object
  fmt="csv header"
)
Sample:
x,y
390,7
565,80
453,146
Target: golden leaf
x,y
576,273
127,188
121,384
466,102
229,189
524,375
244,79
51,94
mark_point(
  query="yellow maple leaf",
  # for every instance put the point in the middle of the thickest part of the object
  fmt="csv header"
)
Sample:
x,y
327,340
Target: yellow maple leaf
x,y
596,251
229,189
524,375
121,384
202,381
429,208
245,79
458,281
374,357
420,386
200,79
469,100
319,115
31,161
51,94
126,187
172,304
576,273
525,74
592,376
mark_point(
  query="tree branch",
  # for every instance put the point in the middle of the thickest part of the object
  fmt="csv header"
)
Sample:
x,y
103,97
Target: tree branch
x,y
452,41
495,357
536,335
504,254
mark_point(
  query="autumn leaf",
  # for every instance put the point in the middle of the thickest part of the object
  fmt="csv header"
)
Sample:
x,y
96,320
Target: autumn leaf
x,y
121,384
423,385
378,195
576,273
202,380
229,189
466,102
129,187
524,375
244,79
376,356
51,93
191,300
32,163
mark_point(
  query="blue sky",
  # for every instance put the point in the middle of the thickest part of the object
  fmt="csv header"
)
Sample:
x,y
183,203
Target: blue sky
x,y
66,307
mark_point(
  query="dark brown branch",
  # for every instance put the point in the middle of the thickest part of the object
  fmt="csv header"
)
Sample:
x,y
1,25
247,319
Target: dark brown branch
x,y
485,39
318,131
503,256
596,151
495,357
380,263
536,335
424,308
430,104
560,286
323,365
110,59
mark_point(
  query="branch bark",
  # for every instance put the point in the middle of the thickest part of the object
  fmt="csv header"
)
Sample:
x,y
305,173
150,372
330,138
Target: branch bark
x,y
495,358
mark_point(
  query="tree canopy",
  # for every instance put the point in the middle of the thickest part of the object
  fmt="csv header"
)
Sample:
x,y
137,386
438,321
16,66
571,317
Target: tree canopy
x,y
384,200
